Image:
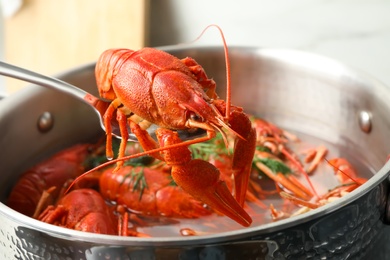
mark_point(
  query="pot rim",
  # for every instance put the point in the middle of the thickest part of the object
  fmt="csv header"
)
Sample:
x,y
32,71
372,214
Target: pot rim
x,y
69,234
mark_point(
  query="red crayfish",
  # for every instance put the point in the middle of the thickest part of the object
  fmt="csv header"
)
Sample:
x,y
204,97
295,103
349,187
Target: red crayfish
x,y
26,196
84,210
150,86
149,191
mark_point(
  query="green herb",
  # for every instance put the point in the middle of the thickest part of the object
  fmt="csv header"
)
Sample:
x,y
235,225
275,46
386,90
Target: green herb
x,y
136,177
93,161
172,183
263,149
275,165
140,161
98,156
211,148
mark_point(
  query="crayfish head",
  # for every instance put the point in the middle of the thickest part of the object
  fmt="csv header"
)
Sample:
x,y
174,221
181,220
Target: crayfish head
x,y
107,67
214,123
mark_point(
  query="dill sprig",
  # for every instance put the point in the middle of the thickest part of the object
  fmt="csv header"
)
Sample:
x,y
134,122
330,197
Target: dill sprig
x,y
275,166
145,160
98,155
136,177
209,149
261,148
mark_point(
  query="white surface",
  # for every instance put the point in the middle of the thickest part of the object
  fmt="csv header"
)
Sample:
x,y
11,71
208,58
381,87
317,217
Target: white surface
x,y
355,32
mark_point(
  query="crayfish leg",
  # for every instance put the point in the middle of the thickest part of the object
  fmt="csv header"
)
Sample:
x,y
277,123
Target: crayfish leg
x,y
107,118
146,141
122,120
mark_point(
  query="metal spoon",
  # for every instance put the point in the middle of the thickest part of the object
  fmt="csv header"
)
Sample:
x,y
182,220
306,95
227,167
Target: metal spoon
x,y
96,103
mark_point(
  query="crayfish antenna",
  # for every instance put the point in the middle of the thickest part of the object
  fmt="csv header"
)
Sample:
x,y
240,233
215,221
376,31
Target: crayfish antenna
x,y
334,163
227,64
227,127
223,134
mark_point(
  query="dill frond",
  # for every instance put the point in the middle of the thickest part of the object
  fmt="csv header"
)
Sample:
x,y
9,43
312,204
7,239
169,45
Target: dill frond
x,y
210,149
275,165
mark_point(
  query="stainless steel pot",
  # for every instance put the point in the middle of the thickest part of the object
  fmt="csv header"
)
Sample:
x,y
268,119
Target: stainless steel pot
x,y
298,91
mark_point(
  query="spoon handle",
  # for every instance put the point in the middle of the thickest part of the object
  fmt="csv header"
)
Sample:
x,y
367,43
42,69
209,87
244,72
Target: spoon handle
x,y
42,80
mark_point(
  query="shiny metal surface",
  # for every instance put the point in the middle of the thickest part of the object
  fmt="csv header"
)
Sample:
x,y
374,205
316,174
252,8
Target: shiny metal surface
x,y
298,91
45,122
365,122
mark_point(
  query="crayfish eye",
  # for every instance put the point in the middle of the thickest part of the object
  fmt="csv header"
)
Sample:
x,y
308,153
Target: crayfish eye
x,y
195,117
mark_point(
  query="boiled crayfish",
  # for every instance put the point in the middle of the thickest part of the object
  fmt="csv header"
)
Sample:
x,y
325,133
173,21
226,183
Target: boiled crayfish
x,y
149,191
84,210
26,196
150,86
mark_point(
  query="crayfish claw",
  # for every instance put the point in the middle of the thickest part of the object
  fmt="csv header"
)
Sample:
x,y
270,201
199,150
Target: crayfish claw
x,y
244,150
201,179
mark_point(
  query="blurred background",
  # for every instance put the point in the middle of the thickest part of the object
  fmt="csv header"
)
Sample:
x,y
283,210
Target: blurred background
x,y
54,36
